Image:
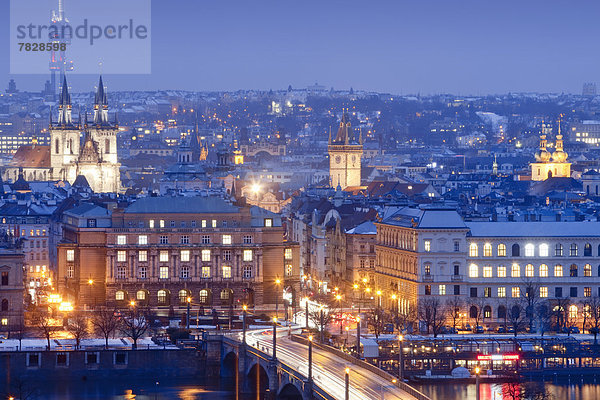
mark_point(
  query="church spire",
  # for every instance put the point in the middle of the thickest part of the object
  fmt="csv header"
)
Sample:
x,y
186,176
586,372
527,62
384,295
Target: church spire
x,y
64,105
100,105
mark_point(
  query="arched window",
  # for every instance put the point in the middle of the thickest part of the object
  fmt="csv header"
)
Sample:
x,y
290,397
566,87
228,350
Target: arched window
x,y
501,312
56,146
141,295
4,306
501,250
107,146
487,312
558,250
163,296
487,250
529,250
473,312
587,270
516,250
573,270
204,296
473,250
572,311
120,295
543,250
573,250
587,250
473,271
543,270
183,296
529,273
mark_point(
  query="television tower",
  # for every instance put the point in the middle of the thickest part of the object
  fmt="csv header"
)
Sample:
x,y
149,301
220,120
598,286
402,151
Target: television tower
x,y
58,59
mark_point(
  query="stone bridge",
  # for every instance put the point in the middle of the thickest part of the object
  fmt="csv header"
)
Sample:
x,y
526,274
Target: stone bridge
x,y
253,371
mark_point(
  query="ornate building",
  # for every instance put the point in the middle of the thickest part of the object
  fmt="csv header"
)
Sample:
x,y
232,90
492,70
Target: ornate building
x,y
345,154
65,158
550,165
161,250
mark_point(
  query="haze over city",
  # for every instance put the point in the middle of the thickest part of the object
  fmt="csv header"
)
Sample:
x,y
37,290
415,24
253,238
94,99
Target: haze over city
x,y
399,47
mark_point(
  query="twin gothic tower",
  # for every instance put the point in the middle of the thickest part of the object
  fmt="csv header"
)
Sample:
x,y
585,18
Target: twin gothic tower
x,y
96,158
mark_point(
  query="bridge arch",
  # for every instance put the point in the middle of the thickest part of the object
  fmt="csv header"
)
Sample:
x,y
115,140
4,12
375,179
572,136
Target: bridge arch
x,y
229,365
258,379
289,392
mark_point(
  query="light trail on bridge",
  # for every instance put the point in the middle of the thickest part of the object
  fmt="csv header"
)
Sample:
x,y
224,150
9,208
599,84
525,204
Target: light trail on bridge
x,y
328,369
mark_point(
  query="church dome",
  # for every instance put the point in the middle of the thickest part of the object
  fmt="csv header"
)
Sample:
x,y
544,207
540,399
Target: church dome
x,y
542,155
559,156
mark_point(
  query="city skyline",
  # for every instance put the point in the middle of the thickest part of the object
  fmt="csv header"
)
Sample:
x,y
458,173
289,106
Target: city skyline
x,y
398,48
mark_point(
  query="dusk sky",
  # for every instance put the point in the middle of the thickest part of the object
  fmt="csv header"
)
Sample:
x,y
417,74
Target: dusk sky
x,y
401,47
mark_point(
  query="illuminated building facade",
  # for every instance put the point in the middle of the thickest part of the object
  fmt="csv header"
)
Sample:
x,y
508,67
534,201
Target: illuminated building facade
x,y
66,158
161,250
549,165
11,286
345,153
490,269
411,244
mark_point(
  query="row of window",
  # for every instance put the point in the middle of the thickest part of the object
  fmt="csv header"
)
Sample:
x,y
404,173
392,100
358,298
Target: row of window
x,y
515,310
515,271
543,250
163,296
183,239
515,291
268,222
184,255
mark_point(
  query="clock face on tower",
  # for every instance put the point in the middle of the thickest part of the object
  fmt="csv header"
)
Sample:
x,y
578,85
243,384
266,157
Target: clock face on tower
x,y
338,159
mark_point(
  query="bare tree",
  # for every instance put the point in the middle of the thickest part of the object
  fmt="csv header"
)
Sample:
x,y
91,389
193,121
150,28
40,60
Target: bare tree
x,y
544,313
516,316
78,327
105,321
406,319
560,312
594,310
453,307
21,389
525,391
322,315
530,298
134,325
476,305
44,324
431,314
377,321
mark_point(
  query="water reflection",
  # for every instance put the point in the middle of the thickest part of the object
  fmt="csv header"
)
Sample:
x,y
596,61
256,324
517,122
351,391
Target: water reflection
x,y
494,391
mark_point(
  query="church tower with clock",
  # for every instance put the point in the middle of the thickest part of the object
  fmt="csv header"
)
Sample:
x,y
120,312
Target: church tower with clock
x,y
345,152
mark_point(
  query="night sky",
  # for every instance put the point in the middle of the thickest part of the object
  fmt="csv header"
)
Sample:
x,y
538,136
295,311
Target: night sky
x,y
395,46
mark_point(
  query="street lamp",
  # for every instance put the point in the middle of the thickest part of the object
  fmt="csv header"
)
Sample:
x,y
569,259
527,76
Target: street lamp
x,y
338,297
400,366
310,340
321,320
347,383
90,283
358,336
306,311
132,303
189,301
244,308
378,298
477,371
274,338
277,282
